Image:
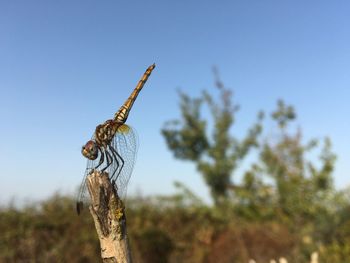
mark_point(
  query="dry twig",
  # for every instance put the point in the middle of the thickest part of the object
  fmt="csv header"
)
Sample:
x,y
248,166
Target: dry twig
x,y
108,212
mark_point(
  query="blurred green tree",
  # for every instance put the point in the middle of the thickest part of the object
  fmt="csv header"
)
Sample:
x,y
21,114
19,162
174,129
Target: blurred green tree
x,y
217,155
301,187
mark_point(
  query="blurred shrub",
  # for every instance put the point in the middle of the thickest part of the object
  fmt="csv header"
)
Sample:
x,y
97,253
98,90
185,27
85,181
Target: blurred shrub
x,y
166,229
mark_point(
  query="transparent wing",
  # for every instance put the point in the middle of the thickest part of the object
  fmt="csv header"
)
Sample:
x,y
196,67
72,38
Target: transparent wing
x,y
125,143
83,196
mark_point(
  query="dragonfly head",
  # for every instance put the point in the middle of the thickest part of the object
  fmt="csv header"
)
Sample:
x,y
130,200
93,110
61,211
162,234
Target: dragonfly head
x,y
90,150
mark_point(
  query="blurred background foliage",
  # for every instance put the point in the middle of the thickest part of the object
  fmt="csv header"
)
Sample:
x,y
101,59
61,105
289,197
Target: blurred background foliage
x,y
284,205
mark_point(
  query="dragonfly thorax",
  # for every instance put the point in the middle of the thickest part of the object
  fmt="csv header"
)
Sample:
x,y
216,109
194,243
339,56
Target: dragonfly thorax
x,y
105,132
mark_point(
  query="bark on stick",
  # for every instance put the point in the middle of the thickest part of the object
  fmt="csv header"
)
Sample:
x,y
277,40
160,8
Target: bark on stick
x,y
108,212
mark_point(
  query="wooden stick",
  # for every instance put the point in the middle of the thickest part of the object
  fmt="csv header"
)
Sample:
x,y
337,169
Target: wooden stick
x,y
108,212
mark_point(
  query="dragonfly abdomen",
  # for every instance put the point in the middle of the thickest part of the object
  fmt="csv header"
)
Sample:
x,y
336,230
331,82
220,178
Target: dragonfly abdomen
x,y
122,114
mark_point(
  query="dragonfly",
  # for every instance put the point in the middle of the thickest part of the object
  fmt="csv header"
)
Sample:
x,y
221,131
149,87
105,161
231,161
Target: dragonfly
x,y
113,148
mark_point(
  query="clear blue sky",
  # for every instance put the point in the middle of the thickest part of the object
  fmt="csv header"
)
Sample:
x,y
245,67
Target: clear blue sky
x,y
66,66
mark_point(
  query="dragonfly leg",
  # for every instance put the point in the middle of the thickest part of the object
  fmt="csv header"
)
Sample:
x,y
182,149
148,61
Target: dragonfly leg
x,y
121,165
109,161
102,158
113,151
121,159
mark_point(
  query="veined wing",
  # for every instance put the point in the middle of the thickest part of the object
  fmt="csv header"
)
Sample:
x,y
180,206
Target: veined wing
x,y
83,198
125,143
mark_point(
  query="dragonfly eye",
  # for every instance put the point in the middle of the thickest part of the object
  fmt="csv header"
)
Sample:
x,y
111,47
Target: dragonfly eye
x,y
89,150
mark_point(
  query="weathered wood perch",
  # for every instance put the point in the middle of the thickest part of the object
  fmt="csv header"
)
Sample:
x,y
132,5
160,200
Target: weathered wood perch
x,y
108,212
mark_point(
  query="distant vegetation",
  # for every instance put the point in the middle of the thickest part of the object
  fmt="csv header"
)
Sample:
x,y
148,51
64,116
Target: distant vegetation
x,y
286,205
